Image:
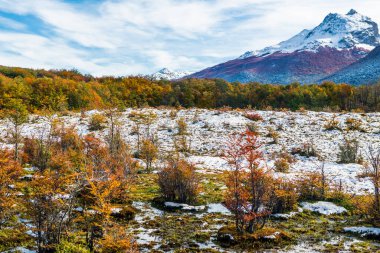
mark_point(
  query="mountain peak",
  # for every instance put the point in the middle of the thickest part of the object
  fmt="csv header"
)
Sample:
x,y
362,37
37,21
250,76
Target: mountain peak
x,y
336,31
352,12
168,74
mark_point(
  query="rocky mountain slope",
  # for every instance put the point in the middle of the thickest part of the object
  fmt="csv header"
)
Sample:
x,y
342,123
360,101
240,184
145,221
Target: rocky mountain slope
x,y
365,71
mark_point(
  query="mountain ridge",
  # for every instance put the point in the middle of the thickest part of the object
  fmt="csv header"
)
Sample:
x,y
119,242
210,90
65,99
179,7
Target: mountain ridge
x,y
311,55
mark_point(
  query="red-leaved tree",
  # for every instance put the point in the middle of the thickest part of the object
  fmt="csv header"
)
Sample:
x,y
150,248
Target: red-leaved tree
x,y
248,194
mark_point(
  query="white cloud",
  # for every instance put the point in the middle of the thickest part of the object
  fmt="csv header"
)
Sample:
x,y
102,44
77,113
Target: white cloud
x,y
140,36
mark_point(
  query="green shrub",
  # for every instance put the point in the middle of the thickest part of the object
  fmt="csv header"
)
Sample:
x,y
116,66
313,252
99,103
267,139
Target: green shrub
x,y
97,122
69,247
349,151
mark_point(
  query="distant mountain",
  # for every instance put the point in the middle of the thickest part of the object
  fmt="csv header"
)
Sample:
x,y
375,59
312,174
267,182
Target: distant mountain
x,y
364,71
311,55
167,74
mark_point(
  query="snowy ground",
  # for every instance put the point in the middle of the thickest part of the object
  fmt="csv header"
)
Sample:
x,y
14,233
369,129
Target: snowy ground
x,y
208,132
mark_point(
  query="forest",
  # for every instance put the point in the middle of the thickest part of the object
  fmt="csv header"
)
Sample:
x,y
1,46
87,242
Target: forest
x,y
60,90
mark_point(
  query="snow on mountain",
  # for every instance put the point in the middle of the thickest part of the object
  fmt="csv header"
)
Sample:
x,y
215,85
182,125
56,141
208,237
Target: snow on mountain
x,y
336,31
310,56
167,74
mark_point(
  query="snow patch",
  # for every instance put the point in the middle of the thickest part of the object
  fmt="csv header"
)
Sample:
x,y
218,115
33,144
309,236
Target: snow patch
x,y
322,207
363,231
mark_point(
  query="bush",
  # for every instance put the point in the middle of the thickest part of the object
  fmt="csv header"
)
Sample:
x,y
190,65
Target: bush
x,y
310,187
116,240
349,151
97,122
252,127
281,165
68,247
181,126
178,182
307,150
253,116
181,144
354,124
332,124
173,114
284,197
273,134
148,153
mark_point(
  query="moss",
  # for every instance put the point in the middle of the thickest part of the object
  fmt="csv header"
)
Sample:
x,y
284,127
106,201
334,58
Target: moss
x,y
228,236
68,247
363,247
201,237
145,188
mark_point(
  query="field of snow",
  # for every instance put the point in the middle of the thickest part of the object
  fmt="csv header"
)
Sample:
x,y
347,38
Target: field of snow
x,y
208,132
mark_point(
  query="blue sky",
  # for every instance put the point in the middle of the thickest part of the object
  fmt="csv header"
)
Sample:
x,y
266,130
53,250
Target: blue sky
x,y
123,37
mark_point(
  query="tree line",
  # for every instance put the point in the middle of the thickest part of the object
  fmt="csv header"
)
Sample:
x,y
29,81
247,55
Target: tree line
x,y
60,90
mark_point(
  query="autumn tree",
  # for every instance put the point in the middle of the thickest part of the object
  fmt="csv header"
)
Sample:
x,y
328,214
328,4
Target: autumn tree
x,y
143,120
49,201
374,173
106,182
17,115
148,153
247,183
10,172
37,151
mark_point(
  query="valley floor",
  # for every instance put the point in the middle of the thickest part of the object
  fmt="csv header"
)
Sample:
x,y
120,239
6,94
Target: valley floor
x,y
157,230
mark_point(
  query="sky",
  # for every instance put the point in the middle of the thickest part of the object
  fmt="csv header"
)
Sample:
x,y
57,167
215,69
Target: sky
x,y
130,37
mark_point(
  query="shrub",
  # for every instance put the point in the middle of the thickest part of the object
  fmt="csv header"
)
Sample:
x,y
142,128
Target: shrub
x,y
311,187
178,182
307,150
253,116
284,198
173,114
148,153
181,144
273,134
354,124
97,122
252,127
182,126
281,165
283,155
332,124
69,247
116,240
349,151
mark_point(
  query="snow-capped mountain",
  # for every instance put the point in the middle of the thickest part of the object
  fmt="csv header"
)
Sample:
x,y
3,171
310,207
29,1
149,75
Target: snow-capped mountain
x,y
167,74
336,31
308,57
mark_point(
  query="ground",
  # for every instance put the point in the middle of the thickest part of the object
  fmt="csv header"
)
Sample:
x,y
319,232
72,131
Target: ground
x,y
207,135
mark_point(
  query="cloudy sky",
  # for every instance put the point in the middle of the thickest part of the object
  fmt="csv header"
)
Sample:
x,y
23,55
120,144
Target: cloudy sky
x,y
123,37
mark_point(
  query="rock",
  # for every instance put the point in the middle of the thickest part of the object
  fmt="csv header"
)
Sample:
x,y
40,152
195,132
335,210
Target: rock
x,y
124,213
322,207
226,237
368,232
184,207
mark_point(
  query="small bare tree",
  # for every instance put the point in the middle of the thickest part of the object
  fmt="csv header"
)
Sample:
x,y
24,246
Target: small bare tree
x,y
374,173
17,115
